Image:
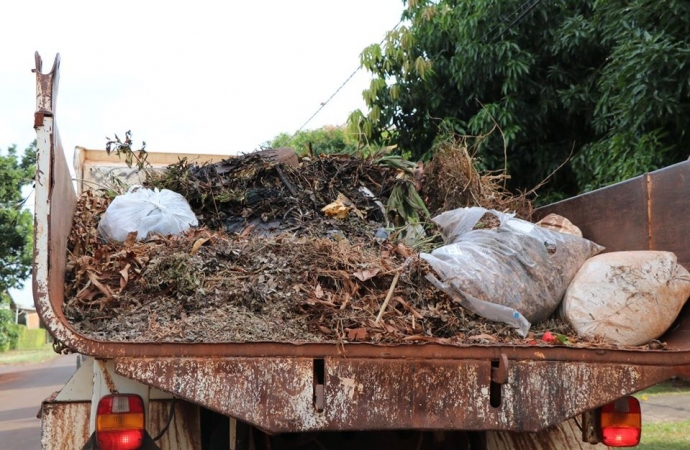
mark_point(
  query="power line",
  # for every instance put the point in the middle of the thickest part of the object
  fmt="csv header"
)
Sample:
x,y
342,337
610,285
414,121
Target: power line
x,y
521,12
517,16
341,86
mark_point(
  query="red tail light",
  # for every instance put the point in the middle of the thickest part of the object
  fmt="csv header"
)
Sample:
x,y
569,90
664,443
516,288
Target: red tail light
x,y
621,423
120,422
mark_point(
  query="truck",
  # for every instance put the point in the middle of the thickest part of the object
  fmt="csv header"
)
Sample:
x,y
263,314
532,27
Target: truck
x,y
280,395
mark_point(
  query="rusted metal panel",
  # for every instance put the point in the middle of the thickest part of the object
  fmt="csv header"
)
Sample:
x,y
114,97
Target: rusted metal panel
x,y
46,86
669,211
184,431
277,394
678,336
648,212
566,435
278,391
615,217
64,425
419,394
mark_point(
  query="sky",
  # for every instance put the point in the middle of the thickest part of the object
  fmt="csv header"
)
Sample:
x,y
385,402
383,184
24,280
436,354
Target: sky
x,y
205,76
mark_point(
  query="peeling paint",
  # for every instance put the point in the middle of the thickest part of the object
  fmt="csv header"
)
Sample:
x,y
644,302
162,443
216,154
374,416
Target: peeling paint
x,y
276,394
65,425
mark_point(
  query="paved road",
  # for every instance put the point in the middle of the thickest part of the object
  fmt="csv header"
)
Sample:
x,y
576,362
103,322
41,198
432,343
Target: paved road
x,y
666,408
22,389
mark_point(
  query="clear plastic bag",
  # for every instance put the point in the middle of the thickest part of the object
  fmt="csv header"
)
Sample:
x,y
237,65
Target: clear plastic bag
x,y
515,274
146,211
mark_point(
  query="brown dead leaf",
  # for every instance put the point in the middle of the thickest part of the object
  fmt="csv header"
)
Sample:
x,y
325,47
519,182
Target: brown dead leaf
x,y
197,245
124,276
247,231
403,250
131,239
479,337
339,208
356,334
100,286
364,275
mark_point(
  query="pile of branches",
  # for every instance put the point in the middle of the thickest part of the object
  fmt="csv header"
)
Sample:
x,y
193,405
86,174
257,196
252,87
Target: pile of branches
x,y
258,195
269,263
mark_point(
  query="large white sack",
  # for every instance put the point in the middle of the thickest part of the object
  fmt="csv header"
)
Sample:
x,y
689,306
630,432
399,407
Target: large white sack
x,y
146,211
628,298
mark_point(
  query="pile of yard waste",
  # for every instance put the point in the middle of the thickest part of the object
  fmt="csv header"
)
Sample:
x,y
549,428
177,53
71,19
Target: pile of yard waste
x,y
314,249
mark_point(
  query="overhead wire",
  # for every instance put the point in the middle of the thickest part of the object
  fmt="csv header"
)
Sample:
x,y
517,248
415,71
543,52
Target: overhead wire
x,y
323,105
519,15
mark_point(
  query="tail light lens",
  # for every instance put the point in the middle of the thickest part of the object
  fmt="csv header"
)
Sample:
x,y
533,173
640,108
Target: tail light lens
x,y
120,422
621,423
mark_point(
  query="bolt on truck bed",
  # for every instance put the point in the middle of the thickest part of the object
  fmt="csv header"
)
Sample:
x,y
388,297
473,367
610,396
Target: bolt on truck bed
x,y
289,387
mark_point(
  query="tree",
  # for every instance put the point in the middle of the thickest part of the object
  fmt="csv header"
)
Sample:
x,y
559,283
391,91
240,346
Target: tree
x,y
15,231
606,81
326,140
16,223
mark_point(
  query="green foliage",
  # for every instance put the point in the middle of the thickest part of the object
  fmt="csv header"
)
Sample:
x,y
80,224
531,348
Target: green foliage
x,y
665,436
604,81
8,330
29,339
642,109
138,158
326,140
16,223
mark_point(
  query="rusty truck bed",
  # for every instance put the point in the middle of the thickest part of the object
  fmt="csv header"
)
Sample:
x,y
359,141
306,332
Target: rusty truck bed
x,y
421,386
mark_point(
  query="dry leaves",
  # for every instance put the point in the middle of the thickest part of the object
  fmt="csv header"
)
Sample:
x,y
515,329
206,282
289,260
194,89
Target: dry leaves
x,y
268,265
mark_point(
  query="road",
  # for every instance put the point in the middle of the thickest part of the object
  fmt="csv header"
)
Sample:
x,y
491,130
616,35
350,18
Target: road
x,y
22,389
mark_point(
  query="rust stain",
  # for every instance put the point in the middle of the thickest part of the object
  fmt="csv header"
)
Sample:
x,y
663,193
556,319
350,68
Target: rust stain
x,y
109,383
650,215
65,425
276,394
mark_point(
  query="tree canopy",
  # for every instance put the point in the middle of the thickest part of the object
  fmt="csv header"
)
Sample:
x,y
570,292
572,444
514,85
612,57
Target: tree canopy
x,y
16,223
326,140
604,82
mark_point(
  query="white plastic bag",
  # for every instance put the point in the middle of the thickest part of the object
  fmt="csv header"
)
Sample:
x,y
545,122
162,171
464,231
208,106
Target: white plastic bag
x,y
628,298
146,211
516,273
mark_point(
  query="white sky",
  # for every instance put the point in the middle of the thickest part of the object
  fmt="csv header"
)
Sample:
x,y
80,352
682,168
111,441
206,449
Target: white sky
x,y
202,76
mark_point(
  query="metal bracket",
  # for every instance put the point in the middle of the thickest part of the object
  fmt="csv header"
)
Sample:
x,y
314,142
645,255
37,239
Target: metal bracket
x,y
318,397
499,375
46,89
590,429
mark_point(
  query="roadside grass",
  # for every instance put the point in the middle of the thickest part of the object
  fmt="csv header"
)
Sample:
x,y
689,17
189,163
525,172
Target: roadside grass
x,y
667,387
665,436
27,356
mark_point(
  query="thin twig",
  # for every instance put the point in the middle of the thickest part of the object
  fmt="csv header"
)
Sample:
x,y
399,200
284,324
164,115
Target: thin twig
x,y
408,307
388,297
286,182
